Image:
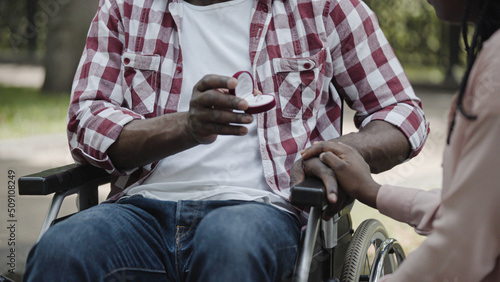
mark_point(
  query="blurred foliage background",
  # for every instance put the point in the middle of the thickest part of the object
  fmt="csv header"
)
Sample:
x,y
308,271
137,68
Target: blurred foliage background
x,y
46,32
412,29
428,49
22,35
419,39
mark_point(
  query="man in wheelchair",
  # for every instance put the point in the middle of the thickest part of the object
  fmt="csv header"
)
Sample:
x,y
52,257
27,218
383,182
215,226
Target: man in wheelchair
x,y
200,181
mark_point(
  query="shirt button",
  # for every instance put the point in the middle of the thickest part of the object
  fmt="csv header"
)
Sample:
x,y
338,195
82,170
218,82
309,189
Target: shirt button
x,y
179,69
126,61
307,66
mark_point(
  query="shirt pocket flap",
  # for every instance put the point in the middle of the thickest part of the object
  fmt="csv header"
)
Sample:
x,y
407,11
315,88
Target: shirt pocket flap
x,y
141,62
299,64
292,64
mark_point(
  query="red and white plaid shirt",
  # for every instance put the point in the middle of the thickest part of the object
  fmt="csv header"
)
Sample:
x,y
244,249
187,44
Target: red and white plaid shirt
x,y
308,53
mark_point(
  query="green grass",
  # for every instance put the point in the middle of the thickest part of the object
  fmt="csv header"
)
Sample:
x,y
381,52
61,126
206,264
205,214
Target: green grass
x,y
26,112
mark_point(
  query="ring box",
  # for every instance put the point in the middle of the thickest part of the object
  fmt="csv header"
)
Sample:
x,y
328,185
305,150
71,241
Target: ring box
x,y
244,89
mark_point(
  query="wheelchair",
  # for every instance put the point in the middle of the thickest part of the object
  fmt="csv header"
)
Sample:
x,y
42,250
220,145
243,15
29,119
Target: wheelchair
x,y
330,250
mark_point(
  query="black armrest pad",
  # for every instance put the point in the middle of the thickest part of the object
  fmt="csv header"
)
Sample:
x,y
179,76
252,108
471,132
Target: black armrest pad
x,y
61,179
309,193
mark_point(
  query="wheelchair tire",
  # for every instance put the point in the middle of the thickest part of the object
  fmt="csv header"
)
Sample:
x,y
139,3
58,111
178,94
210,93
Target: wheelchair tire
x,y
358,261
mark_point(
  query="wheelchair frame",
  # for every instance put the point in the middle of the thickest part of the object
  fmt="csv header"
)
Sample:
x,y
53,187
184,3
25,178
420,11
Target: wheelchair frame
x,y
327,248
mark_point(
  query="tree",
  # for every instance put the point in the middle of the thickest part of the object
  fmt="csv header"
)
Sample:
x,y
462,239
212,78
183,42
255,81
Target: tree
x,y
453,39
67,27
413,30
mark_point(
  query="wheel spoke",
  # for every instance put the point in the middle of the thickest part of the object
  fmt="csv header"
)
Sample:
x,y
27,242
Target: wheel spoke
x,y
361,251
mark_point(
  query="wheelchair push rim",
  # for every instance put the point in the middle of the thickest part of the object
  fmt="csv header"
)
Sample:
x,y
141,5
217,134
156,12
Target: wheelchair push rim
x,y
362,250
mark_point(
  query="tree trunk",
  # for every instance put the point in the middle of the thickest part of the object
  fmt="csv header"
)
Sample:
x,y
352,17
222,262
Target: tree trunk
x,y
68,24
453,39
31,9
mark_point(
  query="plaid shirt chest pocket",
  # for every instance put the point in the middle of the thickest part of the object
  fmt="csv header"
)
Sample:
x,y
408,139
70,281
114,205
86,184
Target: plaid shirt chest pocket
x,y
141,78
300,84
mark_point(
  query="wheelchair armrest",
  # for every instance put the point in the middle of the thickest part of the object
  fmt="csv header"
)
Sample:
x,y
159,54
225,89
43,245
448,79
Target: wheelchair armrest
x,y
334,233
309,193
62,179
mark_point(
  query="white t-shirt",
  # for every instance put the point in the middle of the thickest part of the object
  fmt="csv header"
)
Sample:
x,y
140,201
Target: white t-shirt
x,y
214,40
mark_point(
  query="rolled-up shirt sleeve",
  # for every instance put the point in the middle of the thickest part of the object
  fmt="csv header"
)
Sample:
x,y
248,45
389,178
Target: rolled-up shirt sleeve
x,y
96,116
370,77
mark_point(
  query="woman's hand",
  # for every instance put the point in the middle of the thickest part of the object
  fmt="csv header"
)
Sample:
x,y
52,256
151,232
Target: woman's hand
x,y
351,170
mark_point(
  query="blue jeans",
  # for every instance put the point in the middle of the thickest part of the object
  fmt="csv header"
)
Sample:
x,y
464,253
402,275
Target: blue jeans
x,y
139,239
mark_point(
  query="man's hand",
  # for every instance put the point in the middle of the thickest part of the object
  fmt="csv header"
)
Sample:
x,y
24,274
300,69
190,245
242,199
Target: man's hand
x,y
314,167
353,173
379,144
211,110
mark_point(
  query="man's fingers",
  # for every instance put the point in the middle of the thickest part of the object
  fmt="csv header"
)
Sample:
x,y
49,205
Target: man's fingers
x,y
327,146
217,116
219,100
222,123
314,167
332,160
209,82
211,92
321,147
220,129
331,186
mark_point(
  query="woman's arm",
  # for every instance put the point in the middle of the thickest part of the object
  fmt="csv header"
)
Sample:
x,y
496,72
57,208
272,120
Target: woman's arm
x,y
464,244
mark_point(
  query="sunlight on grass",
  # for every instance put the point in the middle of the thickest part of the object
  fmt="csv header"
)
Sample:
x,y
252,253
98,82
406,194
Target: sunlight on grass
x,y
26,111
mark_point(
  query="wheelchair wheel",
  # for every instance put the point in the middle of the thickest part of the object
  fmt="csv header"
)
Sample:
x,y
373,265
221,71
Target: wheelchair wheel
x,y
361,252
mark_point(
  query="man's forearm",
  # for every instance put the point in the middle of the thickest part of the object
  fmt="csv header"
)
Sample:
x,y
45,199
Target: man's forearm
x,y
145,141
381,144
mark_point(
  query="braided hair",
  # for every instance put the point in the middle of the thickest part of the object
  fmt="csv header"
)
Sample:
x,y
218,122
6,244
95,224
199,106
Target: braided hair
x,y
488,21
